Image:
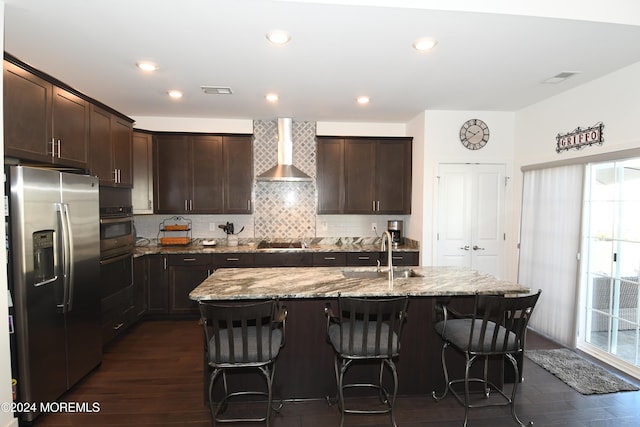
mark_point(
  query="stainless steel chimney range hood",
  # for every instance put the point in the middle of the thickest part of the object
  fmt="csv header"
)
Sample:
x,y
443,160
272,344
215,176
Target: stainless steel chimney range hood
x,y
284,171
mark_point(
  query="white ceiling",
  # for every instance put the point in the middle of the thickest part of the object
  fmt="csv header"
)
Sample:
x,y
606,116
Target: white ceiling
x,y
483,61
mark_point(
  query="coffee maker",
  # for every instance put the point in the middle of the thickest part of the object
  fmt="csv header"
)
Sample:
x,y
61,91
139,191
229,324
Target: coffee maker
x,y
395,229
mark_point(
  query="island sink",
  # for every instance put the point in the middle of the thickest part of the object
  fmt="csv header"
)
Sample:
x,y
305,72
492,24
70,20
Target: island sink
x,y
374,274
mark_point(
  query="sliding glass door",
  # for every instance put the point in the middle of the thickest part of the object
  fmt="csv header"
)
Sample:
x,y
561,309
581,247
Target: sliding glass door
x,y
610,301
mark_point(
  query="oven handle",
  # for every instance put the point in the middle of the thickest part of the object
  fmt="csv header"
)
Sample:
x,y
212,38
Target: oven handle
x,y
115,259
116,219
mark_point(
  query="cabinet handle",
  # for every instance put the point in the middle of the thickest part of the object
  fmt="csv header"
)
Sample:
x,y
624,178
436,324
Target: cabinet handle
x,y
248,205
190,204
58,150
329,258
364,258
233,259
188,259
378,205
397,257
373,205
165,262
118,326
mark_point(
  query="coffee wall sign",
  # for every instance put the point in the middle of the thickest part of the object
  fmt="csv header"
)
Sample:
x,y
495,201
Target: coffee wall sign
x,y
579,138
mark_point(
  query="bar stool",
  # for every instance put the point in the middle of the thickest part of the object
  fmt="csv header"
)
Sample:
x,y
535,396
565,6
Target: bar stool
x,y
497,327
242,337
366,330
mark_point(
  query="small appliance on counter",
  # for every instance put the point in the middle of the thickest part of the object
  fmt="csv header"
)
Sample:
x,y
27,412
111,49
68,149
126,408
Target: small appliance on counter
x,y
395,229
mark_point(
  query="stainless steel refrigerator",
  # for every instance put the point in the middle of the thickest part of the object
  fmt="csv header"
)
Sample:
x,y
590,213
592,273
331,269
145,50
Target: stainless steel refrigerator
x,y
54,250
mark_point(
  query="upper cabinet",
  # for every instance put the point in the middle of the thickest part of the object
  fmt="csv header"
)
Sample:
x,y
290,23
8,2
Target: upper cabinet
x,y
142,193
111,148
202,174
364,175
43,122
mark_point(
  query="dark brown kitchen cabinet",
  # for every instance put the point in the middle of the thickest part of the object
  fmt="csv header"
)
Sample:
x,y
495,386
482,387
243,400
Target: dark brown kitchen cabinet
x,y
363,258
142,192
364,175
238,173
230,260
43,122
186,272
283,259
188,174
330,175
140,278
329,259
207,174
157,284
111,148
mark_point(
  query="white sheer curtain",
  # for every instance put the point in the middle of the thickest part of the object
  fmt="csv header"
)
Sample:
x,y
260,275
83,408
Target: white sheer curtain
x,y
549,245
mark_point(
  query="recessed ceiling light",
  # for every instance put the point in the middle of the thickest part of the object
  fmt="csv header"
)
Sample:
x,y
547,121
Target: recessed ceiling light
x,y
147,66
176,94
424,44
278,37
363,100
272,97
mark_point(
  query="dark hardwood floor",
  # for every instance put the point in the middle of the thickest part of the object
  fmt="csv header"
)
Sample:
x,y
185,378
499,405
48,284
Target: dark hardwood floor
x,y
152,376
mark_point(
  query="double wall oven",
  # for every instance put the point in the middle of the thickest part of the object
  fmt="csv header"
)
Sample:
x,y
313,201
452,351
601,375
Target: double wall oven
x,y
117,241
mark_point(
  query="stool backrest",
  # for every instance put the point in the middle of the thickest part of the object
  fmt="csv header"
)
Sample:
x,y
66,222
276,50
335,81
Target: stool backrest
x,y
371,327
241,333
499,323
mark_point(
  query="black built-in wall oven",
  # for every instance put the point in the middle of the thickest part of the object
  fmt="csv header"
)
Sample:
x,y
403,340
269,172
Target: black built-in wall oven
x,y
117,241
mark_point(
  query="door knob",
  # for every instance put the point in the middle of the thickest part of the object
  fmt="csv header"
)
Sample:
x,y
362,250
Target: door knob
x,y
477,248
465,248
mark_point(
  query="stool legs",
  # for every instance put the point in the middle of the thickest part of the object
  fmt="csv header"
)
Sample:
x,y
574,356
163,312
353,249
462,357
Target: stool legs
x,y
341,365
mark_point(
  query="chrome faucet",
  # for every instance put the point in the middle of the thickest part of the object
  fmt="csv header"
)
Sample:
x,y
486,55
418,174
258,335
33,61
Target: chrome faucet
x,y
387,235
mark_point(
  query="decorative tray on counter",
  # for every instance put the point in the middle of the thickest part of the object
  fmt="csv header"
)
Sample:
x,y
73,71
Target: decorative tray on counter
x,y
175,231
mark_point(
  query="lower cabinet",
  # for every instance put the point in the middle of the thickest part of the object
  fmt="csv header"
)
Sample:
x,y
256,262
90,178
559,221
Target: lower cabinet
x,y
186,272
157,284
117,296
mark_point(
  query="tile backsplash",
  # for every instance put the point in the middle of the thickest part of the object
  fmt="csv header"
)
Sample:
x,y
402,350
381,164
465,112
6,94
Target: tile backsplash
x,y
281,209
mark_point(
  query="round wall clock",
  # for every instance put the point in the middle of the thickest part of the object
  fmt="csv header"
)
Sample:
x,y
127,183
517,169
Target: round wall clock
x,y
474,134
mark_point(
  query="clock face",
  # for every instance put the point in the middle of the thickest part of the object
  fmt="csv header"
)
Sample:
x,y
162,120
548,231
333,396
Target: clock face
x,y
474,134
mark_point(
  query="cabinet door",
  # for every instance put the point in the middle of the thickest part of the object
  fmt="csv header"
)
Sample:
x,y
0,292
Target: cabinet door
x,y
157,285
363,258
142,193
100,143
27,114
207,175
393,176
70,117
140,278
329,259
121,139
238,177
330,175
360,176
171,170
182,280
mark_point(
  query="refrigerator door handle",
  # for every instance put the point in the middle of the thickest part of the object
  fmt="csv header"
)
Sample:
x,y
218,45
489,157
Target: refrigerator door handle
x,y
67,258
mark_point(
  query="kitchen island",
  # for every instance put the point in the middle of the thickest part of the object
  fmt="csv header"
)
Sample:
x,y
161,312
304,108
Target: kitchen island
x,y
305,365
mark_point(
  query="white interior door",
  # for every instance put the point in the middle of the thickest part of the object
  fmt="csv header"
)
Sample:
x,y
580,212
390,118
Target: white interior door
x,y
470,213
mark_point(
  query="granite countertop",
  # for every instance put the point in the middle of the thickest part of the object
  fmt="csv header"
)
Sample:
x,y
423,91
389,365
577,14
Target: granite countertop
x,y
151,246
329,282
